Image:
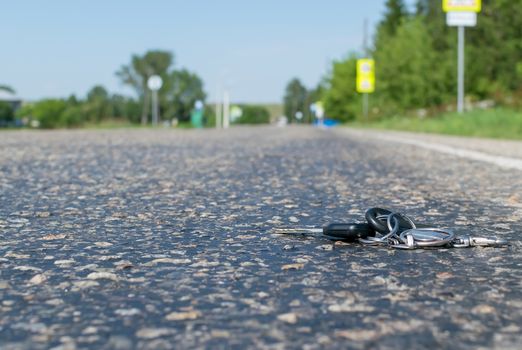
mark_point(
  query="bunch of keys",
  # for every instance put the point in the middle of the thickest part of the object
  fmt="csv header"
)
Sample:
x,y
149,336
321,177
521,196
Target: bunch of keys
x,y
395,230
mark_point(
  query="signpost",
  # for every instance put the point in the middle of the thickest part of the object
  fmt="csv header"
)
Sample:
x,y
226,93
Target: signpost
x,y
196,117
154,83
226,110
462,5
235,113
317,110
365,80
461,14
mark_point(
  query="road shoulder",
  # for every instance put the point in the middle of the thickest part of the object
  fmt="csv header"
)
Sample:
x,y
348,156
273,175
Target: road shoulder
x,y
503,153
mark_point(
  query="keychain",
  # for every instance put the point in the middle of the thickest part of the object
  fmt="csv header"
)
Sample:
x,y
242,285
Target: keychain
x,y
395,230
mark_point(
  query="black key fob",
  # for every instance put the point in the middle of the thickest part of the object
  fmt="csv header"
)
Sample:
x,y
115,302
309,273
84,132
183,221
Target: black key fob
x,y
348,232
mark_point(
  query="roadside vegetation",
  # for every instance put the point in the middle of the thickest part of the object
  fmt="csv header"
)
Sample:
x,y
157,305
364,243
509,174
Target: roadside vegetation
x,y
416,73
102,109
491,123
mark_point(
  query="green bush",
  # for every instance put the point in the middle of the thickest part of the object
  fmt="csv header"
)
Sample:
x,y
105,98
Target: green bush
x,y
341,100
131,111
72,116
209,116
254,115
6,112
26,111
492,123
49,113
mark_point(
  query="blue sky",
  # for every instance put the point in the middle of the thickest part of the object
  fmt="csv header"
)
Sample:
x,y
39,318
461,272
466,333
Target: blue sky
x,y
54,48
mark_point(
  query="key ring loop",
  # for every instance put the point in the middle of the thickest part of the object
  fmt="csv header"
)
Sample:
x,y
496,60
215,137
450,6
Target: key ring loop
x,y
393,230
402,219
376,217
424,238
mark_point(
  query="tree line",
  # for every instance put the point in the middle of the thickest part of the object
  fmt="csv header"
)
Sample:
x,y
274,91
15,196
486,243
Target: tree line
x,y
415,53
181,89
177,97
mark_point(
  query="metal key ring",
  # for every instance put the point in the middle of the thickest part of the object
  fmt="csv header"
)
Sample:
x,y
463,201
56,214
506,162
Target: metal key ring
x,y
372,240
424,237
404,218
376,216
394,229
392,233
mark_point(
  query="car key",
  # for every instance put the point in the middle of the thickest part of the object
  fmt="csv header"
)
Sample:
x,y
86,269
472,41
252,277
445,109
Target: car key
x,y
336,231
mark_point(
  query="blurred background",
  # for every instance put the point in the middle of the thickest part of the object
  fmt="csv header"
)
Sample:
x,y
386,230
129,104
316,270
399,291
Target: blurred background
x,y
88,63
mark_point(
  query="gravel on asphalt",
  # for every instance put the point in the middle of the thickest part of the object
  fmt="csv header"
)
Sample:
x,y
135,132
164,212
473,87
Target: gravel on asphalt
x,y
162,239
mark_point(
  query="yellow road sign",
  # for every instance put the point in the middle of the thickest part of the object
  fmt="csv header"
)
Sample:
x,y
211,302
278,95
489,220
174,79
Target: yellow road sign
x,y
461,5
365,75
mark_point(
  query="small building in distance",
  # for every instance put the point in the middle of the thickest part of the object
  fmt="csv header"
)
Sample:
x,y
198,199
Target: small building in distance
x,y
12,99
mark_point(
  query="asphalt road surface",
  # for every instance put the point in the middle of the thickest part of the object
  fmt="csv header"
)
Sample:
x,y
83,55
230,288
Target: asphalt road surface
x,y
162,239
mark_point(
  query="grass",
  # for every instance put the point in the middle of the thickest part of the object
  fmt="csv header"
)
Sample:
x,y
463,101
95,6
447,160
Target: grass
x,y
124,124
491,123
275,109
111,124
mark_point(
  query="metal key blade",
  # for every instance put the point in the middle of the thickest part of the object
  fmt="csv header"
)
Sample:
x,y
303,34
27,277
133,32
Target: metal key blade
x,y
468,241
295,231
334,231
487,242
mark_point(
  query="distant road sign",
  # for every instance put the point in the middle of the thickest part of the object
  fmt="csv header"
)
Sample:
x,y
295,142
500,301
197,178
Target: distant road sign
x,y
198,104
461,5
235,113
319,110
365,75
465,19
155,82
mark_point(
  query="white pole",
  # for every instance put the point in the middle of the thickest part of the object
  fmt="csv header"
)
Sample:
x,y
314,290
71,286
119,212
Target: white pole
x,y
365,106
460,97
155,109
226,110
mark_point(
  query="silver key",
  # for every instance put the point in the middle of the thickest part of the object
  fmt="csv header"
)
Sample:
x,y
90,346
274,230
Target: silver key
x,y
295,231
336,231
468,241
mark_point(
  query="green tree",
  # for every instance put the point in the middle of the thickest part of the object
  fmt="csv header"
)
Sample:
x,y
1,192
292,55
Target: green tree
x,y
394,14
75,113
416,60
181,92
410,78
6,112
98,105
72,116
7,89
97,93
340,98
313,95
252,114
137,72
126,108
25,111
494,49
432,15
209,116
295,99
49,112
